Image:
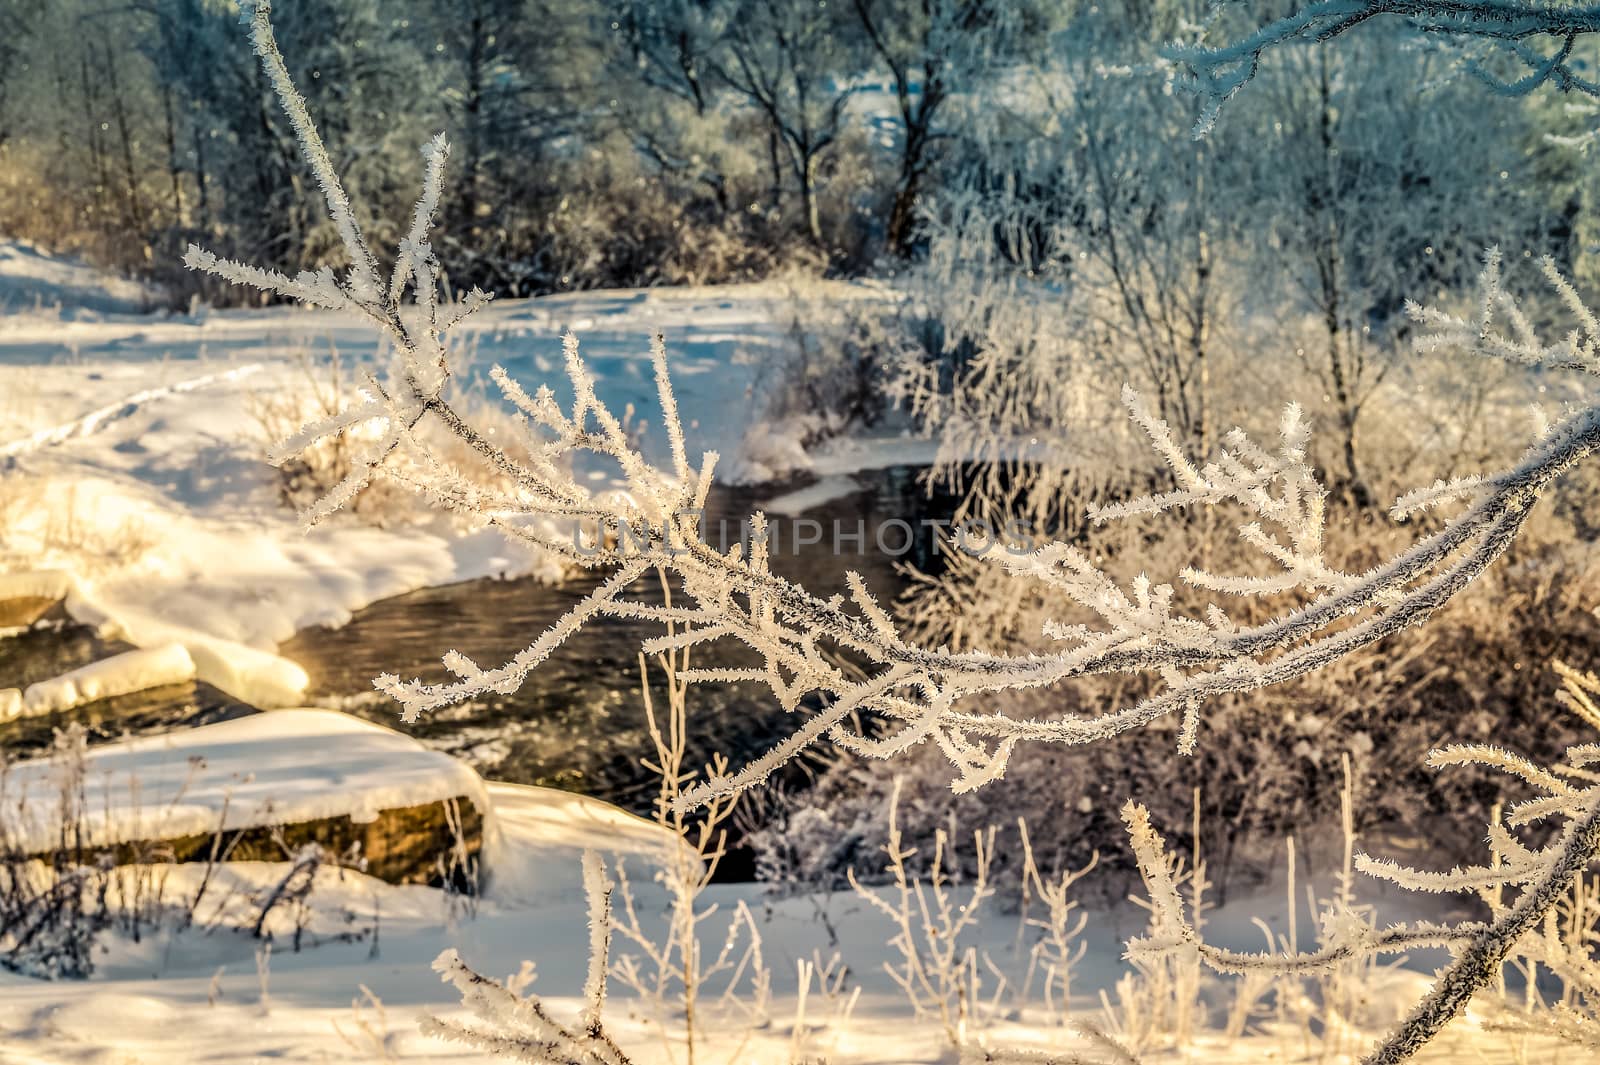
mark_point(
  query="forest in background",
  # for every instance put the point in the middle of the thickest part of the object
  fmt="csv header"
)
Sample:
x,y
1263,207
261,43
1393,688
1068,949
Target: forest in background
x,y
625,143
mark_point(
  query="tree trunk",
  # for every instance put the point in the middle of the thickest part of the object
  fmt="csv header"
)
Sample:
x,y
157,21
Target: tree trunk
x,y
174,171
775,196
202,179
1333,303
135,210
903,212
472,122
1200,319
808,198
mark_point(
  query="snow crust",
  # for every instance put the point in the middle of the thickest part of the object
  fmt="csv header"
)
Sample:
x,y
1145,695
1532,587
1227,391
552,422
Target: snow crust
x,y
59,585
824,490
87,424
564,824
197,997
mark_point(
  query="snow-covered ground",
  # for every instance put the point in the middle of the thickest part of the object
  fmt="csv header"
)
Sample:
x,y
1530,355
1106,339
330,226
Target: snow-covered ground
x,y
199,996
213,992
131,671
35,281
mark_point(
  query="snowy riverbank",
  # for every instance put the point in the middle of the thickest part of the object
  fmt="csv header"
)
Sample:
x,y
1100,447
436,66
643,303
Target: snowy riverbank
x,y
134,457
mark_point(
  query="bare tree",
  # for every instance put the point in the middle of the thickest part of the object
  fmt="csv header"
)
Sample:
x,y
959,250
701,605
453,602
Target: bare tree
x,y
668,48
1368,204
17,18
511,88
787,60
930,47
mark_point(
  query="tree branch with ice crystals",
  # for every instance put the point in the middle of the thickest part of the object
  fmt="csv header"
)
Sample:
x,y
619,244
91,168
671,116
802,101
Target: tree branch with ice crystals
x,y
1217,72
915,691
911,694
521,1028
1543,877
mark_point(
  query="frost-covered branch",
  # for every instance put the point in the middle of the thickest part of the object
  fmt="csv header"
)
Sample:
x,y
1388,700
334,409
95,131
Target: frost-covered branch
x,y
1216,72
1543,878
1187,652
910,694
672,969
1516,341
520,1028
937,971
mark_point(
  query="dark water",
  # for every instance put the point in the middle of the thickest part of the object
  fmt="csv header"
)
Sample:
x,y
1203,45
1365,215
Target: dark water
x,y
578,723
52,646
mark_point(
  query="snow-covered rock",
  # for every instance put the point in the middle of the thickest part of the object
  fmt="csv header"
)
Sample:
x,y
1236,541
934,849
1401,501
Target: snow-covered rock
x,y
130,671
